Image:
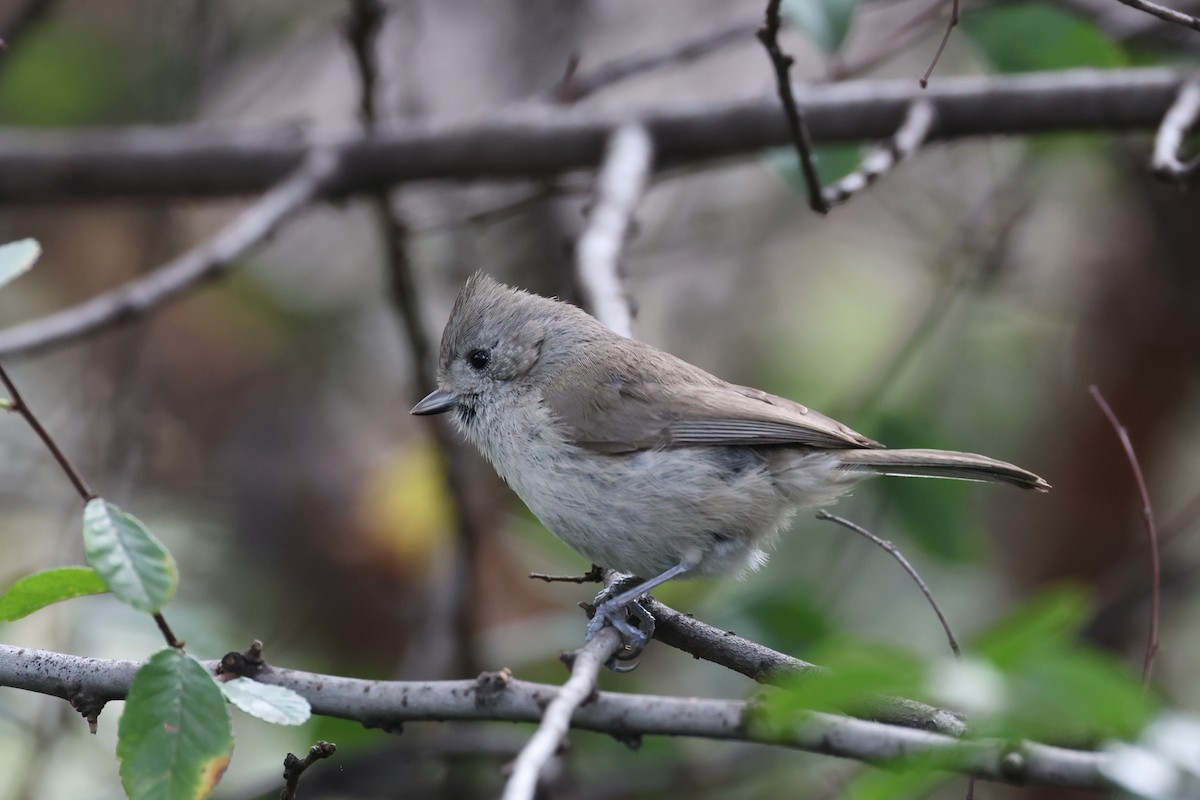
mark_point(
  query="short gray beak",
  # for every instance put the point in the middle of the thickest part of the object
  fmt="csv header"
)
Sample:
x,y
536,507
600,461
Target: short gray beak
x,y
439,401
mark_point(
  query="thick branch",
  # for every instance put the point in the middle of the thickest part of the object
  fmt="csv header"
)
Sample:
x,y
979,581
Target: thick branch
x,y
535,143
385,703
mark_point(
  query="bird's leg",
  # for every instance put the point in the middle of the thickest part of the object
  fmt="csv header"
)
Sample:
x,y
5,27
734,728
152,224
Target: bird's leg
x,y
612,605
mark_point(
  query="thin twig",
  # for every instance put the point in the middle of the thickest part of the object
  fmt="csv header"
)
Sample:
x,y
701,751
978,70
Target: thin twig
x,y
575,86
764,665
1164,13
618,714
897,41
1147,523
208,261
593,575
768,34
18,405
937,56
619,186
912,133
585,669
294,767
1179,119
895,553
165,630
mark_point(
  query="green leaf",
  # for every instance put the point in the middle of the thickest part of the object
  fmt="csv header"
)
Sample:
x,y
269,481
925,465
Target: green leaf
x,y
276,704
793,622
834,162
134,564
64,75
827,22
858,673
1027,37
16,258
1047,621
175,737
1056,687
41,589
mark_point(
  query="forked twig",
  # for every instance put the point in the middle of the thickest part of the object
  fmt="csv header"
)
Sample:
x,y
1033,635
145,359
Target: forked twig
x,y
294,767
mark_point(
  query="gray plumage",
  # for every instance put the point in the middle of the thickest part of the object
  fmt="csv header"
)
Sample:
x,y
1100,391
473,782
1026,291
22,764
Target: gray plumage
x,y
638,459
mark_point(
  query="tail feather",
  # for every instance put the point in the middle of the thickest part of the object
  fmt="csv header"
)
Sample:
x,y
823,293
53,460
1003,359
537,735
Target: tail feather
x,y
940,464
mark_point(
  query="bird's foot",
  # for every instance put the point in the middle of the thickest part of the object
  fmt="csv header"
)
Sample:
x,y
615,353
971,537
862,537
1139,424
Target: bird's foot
x,y
629,618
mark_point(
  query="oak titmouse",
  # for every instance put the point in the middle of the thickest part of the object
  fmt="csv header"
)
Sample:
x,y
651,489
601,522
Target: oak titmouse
x,y
640,461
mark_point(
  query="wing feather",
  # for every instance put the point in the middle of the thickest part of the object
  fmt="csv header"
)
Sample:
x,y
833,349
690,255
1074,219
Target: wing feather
x,y
626,411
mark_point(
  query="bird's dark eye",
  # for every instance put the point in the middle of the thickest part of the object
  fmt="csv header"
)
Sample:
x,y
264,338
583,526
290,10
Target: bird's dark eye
x,y
479,359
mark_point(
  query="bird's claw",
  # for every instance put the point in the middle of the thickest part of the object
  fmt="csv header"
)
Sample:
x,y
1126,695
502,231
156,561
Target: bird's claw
x,y
631,620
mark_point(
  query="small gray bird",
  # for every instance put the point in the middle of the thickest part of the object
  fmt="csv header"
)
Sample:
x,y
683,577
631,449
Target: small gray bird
x,y
640,461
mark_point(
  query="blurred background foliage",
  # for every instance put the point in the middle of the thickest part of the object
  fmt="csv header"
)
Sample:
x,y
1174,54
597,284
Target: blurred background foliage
x,y
261,426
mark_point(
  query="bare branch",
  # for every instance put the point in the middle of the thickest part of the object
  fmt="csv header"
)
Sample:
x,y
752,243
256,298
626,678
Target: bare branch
x,y
625,716
1178,120
176,277
294,767
585,669
619,187
917,125
1164,13
895,553
768,34
764,665
540,142
1148,524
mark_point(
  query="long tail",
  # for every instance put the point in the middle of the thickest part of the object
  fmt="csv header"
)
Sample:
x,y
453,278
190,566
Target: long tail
x,y
939,464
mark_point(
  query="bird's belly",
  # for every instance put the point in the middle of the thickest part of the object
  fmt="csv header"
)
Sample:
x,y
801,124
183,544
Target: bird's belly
x,y
645,512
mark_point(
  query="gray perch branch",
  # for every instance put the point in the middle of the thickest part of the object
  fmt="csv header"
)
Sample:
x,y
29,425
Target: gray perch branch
x,y
532,143
556,722
495,696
